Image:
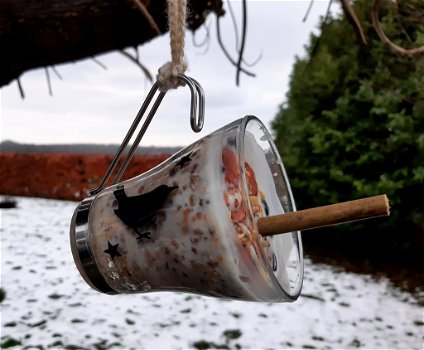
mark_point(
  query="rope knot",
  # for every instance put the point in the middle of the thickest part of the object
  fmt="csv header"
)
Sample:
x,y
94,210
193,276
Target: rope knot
x,y
167,77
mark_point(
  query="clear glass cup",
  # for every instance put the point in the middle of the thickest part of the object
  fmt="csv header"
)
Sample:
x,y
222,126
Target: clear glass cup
x,y
189,224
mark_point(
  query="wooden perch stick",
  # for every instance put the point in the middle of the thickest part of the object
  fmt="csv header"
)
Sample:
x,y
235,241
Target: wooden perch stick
x,y
324,216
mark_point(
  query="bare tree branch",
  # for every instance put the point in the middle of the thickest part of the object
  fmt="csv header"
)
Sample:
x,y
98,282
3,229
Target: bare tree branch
x,y
206,41
243,41
254,62
236,35
308,11
224,50
56,32
399,19
49,83
324,21
147,15
95,60
383,37
234,21
139,64
21,90
57,73
354,22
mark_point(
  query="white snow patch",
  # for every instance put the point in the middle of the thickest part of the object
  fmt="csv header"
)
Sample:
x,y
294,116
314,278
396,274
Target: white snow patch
x,y
48,304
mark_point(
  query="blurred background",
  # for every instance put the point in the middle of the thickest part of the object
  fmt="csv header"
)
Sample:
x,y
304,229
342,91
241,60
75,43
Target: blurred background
x,y
339,84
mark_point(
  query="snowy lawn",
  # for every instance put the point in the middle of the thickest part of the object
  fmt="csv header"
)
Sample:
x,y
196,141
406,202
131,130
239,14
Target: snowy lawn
x,y
48,305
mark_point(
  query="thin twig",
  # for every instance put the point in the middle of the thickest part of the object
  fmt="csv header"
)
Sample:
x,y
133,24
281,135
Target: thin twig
x,y
255,62
402,28
206,41
224,50
383,37
243,41
137,55
327,13
324,21
147,15
139,64
99,63
57,73
21,90
237,40
49,83
233,19
354,22
308,11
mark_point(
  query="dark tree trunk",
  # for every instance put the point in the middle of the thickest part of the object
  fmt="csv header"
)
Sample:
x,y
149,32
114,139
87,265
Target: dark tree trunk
x,y
39,33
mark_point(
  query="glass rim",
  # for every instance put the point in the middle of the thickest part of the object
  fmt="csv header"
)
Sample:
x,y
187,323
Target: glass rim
x,y
241,155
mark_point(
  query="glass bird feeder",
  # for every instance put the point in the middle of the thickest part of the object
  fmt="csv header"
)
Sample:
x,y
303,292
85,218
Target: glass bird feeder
x,y
190,223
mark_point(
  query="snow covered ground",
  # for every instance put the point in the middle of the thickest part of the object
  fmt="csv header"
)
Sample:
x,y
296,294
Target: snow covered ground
x,y
48,305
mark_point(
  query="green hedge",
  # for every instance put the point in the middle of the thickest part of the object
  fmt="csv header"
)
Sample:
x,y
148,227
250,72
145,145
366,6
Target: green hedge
x,y
352,126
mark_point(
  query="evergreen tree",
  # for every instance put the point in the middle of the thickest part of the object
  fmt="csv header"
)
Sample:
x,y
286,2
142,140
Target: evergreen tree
x,y
353,126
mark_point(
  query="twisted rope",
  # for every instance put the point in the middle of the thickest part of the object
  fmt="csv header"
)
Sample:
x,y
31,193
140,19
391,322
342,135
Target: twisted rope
x,y
167,74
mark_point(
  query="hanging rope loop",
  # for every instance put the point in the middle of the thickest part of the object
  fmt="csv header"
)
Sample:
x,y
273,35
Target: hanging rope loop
x,y
167,77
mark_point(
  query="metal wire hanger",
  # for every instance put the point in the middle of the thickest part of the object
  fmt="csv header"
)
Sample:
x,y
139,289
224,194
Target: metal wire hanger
x,y
197,113
170,76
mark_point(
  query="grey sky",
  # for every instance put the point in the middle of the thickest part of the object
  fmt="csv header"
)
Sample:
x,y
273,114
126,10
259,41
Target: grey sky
x,y
92,105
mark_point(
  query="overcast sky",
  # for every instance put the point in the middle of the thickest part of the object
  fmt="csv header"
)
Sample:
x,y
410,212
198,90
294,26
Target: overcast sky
x,y
93,105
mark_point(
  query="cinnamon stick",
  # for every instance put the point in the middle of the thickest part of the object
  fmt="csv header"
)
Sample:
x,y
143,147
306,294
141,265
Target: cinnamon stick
x,y
328,215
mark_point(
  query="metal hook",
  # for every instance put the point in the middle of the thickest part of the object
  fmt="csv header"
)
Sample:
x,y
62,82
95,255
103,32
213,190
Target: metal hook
x,y
196,122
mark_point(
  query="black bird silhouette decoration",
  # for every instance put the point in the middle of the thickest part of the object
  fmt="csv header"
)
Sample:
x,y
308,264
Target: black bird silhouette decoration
x,y
139,212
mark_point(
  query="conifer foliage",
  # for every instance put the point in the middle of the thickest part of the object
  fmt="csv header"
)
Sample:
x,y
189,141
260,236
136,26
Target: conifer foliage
x,y
352,126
